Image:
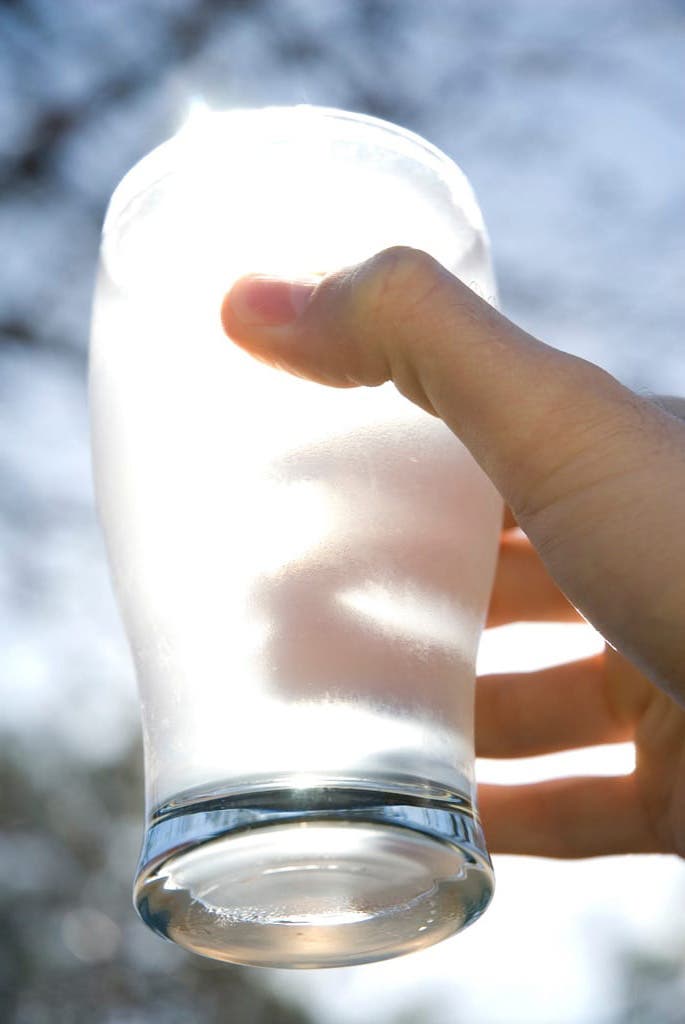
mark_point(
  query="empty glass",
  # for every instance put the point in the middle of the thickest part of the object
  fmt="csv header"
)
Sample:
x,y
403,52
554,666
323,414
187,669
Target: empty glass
x,y
303,572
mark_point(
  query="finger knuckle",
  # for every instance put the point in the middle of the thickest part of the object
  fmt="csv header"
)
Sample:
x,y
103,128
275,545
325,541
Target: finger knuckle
x,y
397,282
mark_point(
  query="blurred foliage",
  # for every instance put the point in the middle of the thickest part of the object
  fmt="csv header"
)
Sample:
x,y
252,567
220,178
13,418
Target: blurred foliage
x,y
652,983
71,947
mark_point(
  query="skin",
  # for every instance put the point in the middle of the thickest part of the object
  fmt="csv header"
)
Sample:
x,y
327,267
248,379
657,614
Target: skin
x,y
594,478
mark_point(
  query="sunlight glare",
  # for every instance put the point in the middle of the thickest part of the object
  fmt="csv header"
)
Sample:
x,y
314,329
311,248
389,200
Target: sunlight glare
x,y
416,614
197,113
289,224
530,646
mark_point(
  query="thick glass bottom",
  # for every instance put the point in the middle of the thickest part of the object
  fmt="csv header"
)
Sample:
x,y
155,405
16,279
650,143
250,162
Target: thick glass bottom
x,y
324,877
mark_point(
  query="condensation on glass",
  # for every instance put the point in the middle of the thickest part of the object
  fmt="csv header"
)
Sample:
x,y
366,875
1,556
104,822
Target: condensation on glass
x,y
303,572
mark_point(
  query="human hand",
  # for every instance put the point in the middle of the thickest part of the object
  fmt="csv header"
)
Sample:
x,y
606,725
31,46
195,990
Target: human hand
x,y
595,476
596,700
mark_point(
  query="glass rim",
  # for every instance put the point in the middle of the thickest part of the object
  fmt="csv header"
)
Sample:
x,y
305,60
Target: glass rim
x,y
153,167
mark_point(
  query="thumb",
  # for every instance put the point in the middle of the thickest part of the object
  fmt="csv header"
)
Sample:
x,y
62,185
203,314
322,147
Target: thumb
x,y
581,460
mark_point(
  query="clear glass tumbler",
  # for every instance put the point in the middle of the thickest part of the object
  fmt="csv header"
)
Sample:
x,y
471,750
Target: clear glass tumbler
x,y
303,572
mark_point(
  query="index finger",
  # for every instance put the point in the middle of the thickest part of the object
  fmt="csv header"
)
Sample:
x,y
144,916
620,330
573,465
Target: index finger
x,y
523,590
508,520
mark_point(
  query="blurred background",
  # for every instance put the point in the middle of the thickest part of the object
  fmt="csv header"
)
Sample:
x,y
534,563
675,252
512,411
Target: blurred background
x,y
568,118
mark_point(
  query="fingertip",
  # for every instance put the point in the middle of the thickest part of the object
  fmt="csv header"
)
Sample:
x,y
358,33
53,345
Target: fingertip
x,y
226,311
260,301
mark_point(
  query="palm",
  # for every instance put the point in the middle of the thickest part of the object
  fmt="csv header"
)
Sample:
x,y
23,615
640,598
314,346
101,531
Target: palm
x,y
603,699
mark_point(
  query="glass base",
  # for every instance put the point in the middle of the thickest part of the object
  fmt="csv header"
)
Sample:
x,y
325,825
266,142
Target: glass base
x,y
324,877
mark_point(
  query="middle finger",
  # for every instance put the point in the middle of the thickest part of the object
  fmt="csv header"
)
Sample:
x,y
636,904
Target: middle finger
x,y
524,591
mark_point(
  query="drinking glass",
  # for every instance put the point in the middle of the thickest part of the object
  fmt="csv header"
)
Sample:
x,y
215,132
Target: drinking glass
x,y
303,572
